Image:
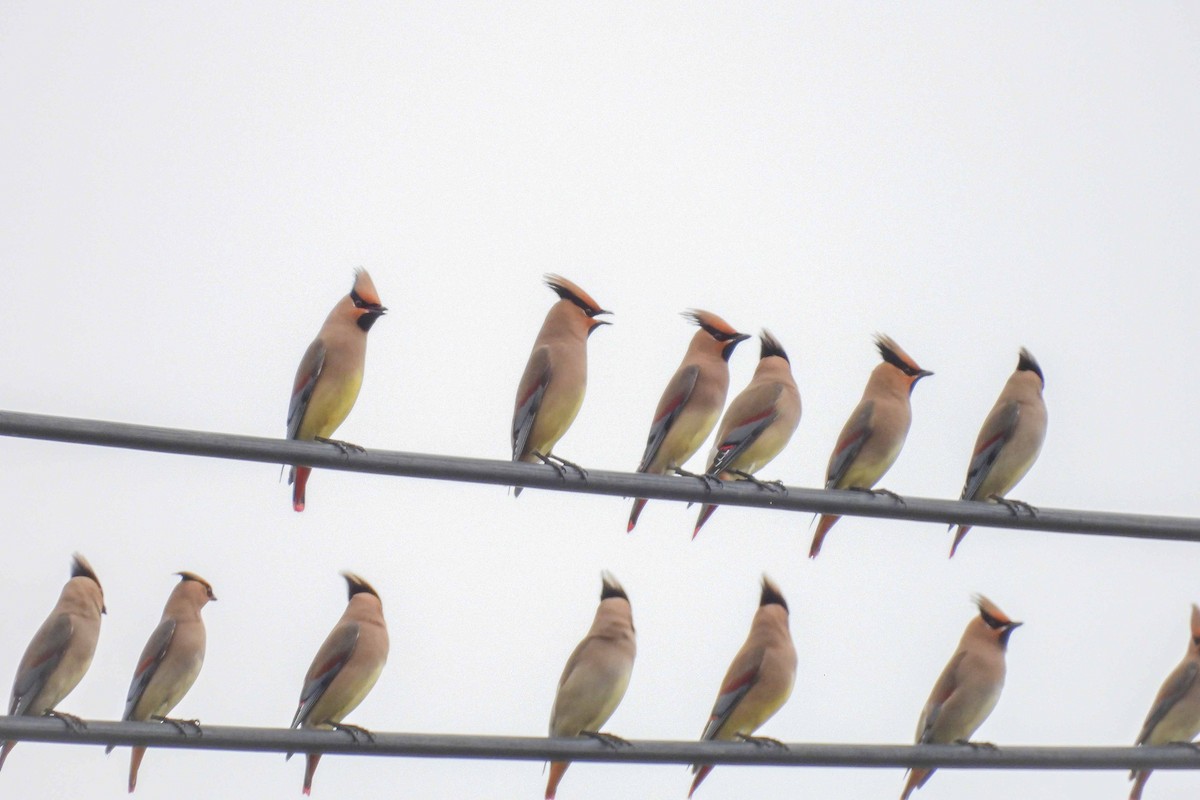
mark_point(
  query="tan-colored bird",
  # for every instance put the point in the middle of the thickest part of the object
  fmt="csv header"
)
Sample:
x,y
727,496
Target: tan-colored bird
x,y
61,650
758,423
552,387
596,675
968,688
345,668
692,402
873,436
331,373
1010,440
1175,714
759,680
170,661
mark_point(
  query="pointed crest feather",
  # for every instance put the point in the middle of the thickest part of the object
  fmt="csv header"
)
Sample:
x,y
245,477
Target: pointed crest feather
x,y
771,346
709,322
80,568
191,576
569,291
1026,361
771,593
1195,620
611,587
365,287
991,609
891,352
357,585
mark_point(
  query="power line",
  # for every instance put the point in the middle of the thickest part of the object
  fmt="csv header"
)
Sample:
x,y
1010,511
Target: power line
x,y
528,748
602,482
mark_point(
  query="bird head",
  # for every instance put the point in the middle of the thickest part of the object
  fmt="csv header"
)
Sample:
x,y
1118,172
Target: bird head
x,y
723,335
771,347
996,620
571,293
611,587
1027,363
771,594
80,568
186,576
891,353
356,585
367,307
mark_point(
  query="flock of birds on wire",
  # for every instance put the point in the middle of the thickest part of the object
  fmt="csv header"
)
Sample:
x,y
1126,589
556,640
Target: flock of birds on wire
x,y
754,429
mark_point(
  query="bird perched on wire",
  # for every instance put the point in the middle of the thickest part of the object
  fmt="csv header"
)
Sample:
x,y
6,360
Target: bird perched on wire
x,y
1009,441
331,373
169,663
596,675
873,436
968,688
692,402
345,669
758,682
61,651
551,390
758,423
1175,713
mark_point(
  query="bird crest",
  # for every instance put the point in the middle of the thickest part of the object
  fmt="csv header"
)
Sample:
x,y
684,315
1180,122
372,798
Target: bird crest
x,y
894,355
569,291
991,613
357,585
1026,362
771,346
771,594
363,292
191,576
713,325
80,568
611,587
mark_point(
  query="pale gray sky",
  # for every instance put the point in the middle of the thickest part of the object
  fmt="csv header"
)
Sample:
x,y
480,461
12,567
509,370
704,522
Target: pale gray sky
x,y
186,194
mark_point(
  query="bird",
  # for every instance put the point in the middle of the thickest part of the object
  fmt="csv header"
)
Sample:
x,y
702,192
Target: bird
x,y
758,423
692,402
1009,441
331,373
170,661
596,675
551,390
968,688
1175,713
61,651
872,438
345,668
758,682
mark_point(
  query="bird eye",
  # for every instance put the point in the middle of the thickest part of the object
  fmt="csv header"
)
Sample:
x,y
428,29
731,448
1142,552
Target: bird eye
x,y
356,298
991,621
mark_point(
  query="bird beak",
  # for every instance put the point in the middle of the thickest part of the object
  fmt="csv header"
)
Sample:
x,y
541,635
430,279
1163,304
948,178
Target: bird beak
x,y
741,337
922,374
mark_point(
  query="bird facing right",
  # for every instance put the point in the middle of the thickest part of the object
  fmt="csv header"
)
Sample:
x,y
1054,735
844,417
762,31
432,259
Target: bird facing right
x,y
61,651
873,436
1175,713
1009,441
968,688
345,669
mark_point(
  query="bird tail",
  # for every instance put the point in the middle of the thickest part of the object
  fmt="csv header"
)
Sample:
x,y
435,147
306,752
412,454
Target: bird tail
x,y
299,479
636,512
5,750
827,522
706,511
135,762
958,537
1139,783
701,771
916,779
310,769
557,769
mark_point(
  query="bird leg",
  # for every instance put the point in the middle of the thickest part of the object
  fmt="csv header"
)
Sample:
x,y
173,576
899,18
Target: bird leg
x,y
607,739
976,745
761,741
70,720
345,447
885,492
773,486
562,473
709,480
355,732
1015,506
179,724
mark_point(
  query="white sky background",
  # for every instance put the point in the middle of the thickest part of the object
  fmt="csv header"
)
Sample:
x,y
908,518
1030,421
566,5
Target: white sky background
x,y
186,194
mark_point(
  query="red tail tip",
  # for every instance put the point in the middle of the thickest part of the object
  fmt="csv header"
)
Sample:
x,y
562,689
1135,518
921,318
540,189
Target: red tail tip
x,y
958,537
700,776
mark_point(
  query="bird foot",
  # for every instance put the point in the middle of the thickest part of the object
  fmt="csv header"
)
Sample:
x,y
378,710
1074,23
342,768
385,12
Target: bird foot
x,y
772,486
560,464
357,733
607,739
883,492
345,447
710,481
70,720
179,725
762,741
1014,506
976,745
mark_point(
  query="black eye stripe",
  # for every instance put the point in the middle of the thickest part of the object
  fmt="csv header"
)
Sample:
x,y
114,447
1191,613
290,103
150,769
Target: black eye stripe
x,y
357,299
991,621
